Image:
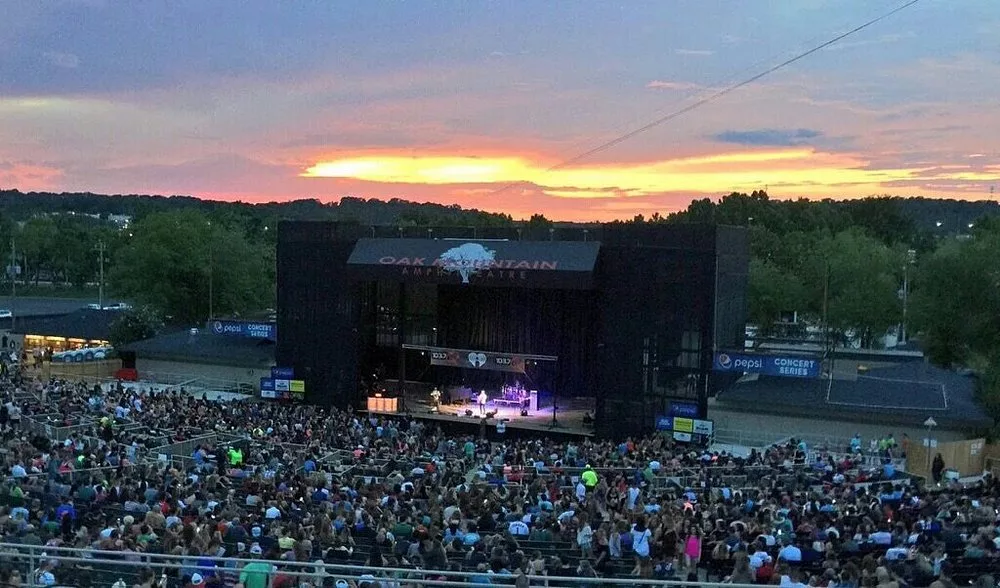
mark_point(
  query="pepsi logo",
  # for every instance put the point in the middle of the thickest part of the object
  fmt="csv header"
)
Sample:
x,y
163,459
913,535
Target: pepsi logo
x,y
725,361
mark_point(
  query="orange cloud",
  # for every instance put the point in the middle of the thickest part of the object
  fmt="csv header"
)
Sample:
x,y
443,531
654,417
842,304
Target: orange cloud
x,y
27,176
791,172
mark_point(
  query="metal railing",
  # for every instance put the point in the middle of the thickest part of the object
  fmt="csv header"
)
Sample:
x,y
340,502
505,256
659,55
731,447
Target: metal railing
x,y
79,475
113,567
188,382
42,425
183,448
754,439
863,459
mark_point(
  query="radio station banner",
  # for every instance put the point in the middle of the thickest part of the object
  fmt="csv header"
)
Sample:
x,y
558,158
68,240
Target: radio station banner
x,y
282,389
267,388
685,425
790,366
479,360
250,329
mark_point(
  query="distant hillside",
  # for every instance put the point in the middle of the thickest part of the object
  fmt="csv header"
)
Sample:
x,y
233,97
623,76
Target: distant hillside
x,y
20,205
954,216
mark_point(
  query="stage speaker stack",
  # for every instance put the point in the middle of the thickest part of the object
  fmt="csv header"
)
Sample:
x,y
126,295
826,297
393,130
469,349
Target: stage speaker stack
x,y
533,401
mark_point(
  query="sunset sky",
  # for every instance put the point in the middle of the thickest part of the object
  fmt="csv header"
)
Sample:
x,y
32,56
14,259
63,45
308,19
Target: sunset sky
x,y
451,100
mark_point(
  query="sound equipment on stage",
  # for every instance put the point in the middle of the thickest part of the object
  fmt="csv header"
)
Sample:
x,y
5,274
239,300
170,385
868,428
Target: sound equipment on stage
x,y
524,412
379,403
468,412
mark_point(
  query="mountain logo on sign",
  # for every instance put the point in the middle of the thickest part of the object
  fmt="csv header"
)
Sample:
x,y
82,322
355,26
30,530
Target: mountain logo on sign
x,y
467,260
477,360
725,361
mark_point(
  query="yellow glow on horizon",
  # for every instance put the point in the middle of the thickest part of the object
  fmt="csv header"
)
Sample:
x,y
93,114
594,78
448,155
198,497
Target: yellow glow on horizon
x,y
803,170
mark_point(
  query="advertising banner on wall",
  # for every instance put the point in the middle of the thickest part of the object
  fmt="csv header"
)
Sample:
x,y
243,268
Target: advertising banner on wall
x,y
251,329
791,366
479,360
685,426
536,264
683,409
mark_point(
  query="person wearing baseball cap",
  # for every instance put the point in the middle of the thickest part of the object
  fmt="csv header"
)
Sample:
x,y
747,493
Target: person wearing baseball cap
x,y
256,574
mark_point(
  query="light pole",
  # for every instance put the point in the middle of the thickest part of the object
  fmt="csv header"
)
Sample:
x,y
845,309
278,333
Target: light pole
x,y
911,257
14,271
211,274
930,423
101,248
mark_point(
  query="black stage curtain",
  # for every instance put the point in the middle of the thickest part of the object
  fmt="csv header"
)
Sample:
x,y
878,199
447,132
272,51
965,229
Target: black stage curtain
x,y
532,321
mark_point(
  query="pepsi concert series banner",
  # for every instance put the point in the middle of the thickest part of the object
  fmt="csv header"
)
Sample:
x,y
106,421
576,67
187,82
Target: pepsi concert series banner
x,y
790,366
480,360
252,329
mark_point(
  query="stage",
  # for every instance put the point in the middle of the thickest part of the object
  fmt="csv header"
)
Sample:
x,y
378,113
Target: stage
x,y
569,415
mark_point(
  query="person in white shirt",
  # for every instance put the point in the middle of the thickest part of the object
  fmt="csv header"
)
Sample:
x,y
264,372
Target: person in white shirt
x,y
897,553
633,495
759,557
790,553
518,528
483,397
791,581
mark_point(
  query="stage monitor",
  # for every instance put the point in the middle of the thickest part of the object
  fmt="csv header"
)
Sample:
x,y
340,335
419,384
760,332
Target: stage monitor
x,y
526,264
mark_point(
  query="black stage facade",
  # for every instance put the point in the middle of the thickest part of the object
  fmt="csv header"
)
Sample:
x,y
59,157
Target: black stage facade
x,y
628,315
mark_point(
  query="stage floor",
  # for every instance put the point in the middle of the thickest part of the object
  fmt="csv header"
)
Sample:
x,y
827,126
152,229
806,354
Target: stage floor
x,y
569,415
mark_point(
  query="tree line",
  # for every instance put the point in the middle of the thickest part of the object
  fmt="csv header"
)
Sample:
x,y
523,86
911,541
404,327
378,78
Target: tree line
x,y
842,264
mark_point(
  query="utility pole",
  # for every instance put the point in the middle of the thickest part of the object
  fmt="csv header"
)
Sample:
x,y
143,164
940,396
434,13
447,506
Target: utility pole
x,y
911,256
211,274
827,343
101,248
13,282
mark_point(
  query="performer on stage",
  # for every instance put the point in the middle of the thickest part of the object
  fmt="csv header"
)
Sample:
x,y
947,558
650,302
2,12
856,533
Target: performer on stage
x,y
436,399
482,401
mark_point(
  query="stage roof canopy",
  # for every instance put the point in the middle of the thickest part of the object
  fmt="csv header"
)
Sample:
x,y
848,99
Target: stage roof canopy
x,y
532,264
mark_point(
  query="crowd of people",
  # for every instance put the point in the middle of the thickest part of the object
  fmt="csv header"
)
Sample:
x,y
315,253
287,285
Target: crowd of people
x,y
266,489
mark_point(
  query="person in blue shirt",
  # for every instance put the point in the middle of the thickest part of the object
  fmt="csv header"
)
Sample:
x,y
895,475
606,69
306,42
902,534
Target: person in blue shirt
x,y
66,509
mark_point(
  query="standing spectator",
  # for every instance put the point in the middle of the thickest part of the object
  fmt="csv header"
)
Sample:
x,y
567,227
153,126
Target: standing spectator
x,y
937,469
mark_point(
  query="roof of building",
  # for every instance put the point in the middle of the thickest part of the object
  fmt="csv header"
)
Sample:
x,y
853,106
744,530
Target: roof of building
x,y
41,306
200,346
82,323
900,393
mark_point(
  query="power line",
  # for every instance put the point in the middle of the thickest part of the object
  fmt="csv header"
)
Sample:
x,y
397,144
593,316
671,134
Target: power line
x,y
721,93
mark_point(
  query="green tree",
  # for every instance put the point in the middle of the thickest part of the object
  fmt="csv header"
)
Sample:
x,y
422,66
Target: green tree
x,y
135,324
956,299
37,243
862,297
771,291
185,265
